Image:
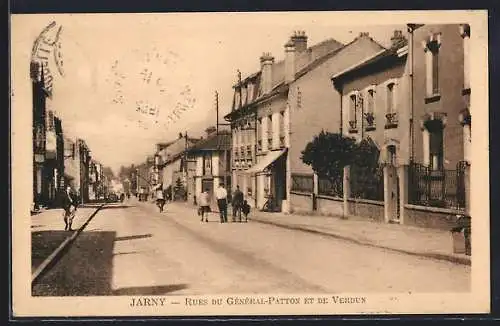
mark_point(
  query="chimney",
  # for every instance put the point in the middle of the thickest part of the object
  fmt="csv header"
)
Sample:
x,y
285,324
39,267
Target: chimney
x,y
210,131
289,61
266,65
299,39
398,39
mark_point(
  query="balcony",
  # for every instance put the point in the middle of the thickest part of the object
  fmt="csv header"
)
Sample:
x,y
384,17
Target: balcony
x,y
370,121
391,120
353,126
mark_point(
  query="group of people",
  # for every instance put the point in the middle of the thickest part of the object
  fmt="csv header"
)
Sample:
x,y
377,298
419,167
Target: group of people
x,y
239,205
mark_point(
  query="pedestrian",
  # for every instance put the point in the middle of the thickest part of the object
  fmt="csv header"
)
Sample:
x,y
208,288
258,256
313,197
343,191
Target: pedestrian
x,y
69,204
221,195
204,205
236,203
245,208
160,200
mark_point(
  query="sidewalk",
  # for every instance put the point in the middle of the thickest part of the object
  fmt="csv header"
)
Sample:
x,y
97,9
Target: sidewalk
x,y
423,242
47,231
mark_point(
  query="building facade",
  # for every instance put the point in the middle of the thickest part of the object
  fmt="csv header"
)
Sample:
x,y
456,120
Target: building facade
x,y
171,164
269,112
211,159
413,102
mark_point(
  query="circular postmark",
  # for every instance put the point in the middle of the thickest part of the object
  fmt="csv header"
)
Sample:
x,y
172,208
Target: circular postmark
x,y
47,52
151,87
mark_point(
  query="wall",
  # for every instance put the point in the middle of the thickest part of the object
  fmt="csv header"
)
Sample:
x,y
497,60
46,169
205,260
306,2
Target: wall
x,y
168,172
368,209
319,102
450,83
442,219
330,206
300,203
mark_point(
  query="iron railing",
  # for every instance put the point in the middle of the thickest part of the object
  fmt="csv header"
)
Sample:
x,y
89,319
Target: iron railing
x,y
302,183
437,188
367,182
328,187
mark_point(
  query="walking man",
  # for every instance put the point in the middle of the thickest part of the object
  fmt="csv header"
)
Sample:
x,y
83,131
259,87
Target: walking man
x,y
236,203
69,206
160,200
221,195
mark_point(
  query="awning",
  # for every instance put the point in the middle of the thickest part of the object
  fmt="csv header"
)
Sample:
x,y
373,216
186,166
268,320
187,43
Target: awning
x,y
266,161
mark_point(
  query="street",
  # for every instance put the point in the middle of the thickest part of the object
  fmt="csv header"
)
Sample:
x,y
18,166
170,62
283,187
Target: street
x,y
132,249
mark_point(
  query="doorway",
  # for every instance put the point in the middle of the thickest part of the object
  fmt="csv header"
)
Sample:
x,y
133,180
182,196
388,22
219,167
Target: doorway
x,y
393,190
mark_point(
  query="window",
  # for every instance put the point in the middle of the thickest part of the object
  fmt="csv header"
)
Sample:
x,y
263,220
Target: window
x,y
250,90
431,48
391,114
370,110
282,128
50,122
435,72
352,112
259,128
270,127
237,99
391,151
436,149
370,101
207,164
390,98
465,33
244,95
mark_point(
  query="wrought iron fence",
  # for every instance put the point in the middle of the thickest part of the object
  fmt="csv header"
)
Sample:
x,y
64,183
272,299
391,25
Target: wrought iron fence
x,y
367,182
436,188
302,183
328,187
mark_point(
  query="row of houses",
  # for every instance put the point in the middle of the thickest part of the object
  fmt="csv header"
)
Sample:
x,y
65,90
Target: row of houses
x,y
187,165
411,100
59,160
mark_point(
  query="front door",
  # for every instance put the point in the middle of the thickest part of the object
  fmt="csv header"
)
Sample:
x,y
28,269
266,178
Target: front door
x,y
393,185
279,181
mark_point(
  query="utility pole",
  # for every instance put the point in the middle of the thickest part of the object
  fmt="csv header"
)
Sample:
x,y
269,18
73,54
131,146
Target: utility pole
x,y
217,114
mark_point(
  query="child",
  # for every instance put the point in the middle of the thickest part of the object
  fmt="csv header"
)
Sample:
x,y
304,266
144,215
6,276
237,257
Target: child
x,y
245,208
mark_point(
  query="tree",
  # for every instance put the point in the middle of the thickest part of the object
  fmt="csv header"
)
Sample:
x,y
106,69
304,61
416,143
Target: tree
x,y
328,153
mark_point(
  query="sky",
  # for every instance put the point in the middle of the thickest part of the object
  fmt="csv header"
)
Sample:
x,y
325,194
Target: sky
x,y
125,74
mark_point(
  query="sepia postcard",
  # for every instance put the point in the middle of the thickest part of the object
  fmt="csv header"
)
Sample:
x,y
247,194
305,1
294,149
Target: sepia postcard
x,y
270,163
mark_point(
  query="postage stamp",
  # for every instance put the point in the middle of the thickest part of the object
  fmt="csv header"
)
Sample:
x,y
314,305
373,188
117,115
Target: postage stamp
x,y
285,163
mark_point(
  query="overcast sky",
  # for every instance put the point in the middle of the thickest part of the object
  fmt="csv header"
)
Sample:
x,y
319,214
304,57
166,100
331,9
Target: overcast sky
x,y
107,60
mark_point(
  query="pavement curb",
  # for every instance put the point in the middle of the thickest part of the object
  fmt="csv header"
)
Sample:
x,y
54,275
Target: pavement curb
x,y
57,253
433,255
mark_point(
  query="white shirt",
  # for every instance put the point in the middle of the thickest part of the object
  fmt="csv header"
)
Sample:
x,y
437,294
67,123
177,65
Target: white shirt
x,y
220,193
204,199
159,194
